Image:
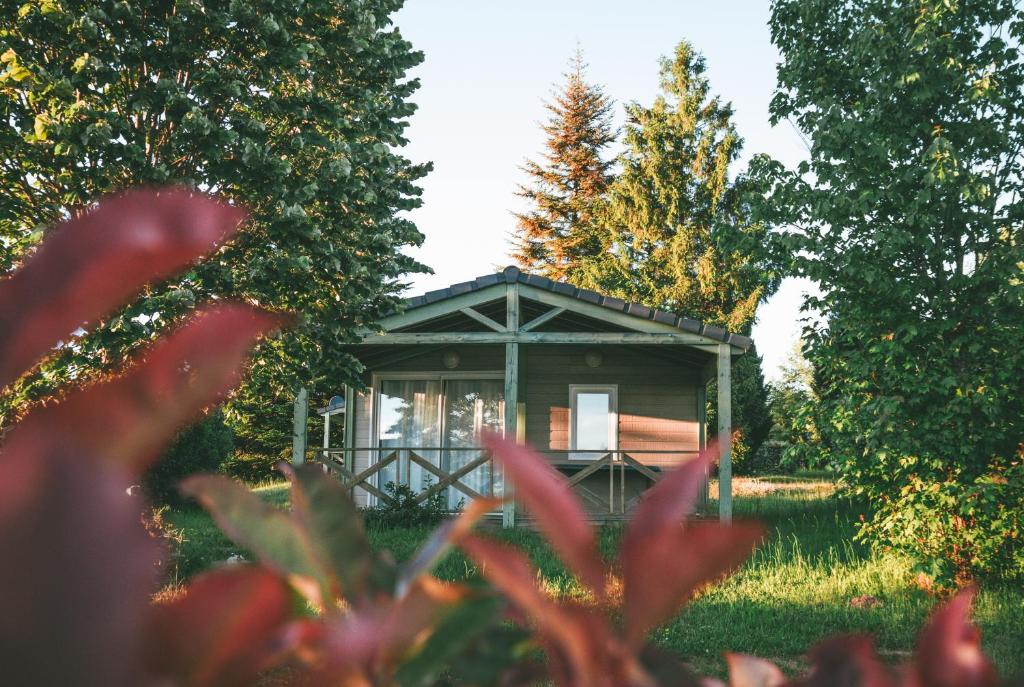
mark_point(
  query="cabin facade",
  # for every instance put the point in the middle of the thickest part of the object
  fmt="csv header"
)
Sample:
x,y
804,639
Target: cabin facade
x,y
611,393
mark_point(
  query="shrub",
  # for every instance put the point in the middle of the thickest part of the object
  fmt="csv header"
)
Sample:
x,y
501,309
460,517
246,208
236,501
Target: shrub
x,y
251,468
202,447
405,511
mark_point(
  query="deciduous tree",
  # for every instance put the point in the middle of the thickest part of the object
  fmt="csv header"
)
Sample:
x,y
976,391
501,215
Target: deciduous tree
x,y
908,216
294,108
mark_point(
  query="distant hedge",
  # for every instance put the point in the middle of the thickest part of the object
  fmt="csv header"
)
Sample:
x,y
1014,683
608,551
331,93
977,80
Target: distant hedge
x,y
202,447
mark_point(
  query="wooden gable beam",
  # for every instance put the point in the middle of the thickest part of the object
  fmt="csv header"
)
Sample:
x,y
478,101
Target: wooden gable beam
x,y
442,307
409,338
599,312
483,319
541,319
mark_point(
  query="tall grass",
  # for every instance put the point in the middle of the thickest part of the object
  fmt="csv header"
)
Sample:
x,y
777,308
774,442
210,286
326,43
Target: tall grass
x,y
794,591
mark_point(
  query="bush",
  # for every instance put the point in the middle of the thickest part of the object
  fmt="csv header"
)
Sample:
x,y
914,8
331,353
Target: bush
x,y
202,447
251,468
963,531
767,460
405,512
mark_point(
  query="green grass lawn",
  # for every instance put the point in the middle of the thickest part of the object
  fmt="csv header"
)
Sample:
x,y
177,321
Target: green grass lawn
x,y
793,592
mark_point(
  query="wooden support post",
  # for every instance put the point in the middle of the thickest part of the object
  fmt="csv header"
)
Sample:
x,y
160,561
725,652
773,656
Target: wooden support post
x,y
702,438
299,415
349,440
725,433
508,516
327,434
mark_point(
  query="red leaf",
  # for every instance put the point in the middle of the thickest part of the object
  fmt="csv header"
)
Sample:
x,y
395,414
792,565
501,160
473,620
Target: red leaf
x,y
278,539
662,570
91,265
347,649
222,632
128,419
750,671
77,571
672,498
558,513
949,648
583,639
323,510
847,661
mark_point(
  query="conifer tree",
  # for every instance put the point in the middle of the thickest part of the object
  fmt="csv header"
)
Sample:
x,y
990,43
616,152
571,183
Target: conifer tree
x,y
673,218
557,232
677,227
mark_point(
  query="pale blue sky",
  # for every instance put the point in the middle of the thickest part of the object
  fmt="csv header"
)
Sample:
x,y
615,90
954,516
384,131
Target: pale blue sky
x,y
489,67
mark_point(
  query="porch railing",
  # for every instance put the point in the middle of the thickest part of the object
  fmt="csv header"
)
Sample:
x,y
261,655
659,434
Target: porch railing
x,y
618,462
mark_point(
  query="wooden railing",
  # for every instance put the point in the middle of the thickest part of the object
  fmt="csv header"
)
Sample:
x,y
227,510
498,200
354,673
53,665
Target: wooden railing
x,y
618,462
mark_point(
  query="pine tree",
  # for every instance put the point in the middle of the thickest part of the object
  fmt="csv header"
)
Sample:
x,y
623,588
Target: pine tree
x,y
558,231
673,218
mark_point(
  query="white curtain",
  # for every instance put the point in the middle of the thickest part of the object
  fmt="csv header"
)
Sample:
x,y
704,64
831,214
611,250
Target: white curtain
x,y
471,407
410,417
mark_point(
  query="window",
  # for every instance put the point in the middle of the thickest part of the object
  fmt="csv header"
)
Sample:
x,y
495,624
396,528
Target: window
x,y
593,421
437,417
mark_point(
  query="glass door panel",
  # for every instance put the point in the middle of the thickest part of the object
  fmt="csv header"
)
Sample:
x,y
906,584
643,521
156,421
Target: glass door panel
x,y
471,406
409,418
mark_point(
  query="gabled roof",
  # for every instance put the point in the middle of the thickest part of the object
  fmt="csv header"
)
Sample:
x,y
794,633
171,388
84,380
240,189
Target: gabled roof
x,y
512,275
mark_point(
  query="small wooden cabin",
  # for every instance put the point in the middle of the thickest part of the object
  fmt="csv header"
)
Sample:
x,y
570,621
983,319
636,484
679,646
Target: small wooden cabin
x,y
612,393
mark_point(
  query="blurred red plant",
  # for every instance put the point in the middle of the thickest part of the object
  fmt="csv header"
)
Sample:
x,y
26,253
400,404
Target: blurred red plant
x,y
78,571
663,562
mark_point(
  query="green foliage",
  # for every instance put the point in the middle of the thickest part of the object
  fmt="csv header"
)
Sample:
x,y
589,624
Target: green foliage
x,y
405,511
908,216
674,222
251,468
793,403
750,406
294,108
558,233
203,447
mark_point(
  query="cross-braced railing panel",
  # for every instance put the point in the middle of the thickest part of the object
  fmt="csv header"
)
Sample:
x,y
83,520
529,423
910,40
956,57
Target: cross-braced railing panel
x,y
580,468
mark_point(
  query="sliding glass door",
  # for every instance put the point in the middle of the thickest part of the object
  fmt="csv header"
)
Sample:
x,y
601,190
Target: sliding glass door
x,y
471,406
438,419
408,418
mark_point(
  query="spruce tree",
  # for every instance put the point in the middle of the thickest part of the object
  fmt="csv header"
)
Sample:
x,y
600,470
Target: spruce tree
x,y
557,232
673,217
677,227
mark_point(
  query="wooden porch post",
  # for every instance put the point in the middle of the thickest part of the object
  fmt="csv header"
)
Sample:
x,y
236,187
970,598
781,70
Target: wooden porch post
x,y
327,433
508,516
725,432
299,415
702,437
349,441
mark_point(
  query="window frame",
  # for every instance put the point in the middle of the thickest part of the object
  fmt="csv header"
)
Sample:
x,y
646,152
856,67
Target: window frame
x,y
376,378
613,425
